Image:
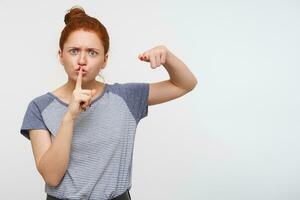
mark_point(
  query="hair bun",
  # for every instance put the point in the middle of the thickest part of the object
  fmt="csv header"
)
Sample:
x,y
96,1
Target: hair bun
x,y
75,11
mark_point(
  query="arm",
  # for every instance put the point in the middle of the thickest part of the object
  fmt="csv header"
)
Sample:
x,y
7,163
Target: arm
x,y
52,159
181,79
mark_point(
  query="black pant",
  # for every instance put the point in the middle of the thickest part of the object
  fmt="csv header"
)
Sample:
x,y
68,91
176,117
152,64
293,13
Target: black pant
x,y
124,196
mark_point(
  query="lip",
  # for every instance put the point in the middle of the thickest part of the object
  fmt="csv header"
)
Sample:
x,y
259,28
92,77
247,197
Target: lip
x,y
83,72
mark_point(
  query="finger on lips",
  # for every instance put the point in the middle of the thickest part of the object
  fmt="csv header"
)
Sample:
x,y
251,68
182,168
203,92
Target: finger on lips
x,y
79,79
89,93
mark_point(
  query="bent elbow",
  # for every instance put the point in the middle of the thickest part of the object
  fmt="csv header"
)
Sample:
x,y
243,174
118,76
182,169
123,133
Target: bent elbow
x,y
51,184
50,179
193,85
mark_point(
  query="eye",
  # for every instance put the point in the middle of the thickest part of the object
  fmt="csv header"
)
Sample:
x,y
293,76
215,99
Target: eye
x,y
92,53
73,51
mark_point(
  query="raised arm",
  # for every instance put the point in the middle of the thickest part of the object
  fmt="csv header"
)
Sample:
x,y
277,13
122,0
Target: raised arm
x,y
181,79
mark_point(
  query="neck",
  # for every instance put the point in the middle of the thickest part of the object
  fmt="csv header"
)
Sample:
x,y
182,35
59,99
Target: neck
x,y
70,85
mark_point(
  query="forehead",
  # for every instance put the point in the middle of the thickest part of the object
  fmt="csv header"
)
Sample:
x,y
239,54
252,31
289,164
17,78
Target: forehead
x,y
82,38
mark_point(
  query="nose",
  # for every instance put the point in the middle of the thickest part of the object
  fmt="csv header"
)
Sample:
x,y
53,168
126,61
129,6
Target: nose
x,y
82,59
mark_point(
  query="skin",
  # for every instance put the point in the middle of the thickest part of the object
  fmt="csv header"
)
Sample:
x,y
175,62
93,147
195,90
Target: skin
x,y
82,50
82,88
181,79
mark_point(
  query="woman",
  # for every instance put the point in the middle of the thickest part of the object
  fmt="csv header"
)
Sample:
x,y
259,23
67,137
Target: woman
x,y
82,133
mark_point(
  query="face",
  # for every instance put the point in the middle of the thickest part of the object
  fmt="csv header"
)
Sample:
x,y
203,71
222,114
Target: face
x,y
83,49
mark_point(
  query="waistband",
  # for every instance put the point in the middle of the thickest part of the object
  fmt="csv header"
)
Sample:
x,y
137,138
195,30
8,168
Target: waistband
x,y
124,196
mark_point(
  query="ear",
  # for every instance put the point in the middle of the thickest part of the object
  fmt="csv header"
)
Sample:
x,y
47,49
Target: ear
x,y
60,56
105,61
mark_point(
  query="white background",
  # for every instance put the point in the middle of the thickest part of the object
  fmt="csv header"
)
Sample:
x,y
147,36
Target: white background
x,y
234,137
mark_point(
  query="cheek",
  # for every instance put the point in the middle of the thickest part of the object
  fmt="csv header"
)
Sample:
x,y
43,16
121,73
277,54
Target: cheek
x,y
95,70
70,63
95,65
69,68
64,61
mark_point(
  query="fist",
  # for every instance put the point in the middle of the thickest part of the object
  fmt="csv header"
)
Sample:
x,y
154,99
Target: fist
x,y
156,56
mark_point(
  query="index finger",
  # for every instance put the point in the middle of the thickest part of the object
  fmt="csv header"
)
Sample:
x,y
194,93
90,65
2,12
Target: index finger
x,y
79,79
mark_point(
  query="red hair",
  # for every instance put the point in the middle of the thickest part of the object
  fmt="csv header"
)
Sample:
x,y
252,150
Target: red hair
x,y
77,19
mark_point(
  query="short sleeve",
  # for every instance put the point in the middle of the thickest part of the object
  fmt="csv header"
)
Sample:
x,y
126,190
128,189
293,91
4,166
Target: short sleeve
x,y
137,98
32,120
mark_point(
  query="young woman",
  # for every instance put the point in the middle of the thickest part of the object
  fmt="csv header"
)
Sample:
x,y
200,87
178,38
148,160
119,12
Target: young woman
x,y
82,133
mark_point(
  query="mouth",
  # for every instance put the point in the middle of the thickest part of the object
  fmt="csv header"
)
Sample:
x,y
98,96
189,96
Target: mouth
x,y
83,72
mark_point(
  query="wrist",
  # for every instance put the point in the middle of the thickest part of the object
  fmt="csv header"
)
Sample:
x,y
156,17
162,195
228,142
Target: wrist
x,y
68,117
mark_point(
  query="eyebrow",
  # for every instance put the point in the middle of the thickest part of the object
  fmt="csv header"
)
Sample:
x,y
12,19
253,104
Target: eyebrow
x,y
86,48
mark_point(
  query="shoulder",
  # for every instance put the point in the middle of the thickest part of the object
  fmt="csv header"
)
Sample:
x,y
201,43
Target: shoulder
x,y
130,89
129,86
41,102
33,116
135,95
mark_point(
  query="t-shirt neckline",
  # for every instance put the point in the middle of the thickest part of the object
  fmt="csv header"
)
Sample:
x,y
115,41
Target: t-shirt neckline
x,y
67,105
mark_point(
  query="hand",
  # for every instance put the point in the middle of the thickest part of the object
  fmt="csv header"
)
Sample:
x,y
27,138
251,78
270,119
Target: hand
x,y
81,99
156,56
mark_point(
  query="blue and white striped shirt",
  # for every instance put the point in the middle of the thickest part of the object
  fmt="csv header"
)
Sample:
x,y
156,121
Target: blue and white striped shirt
x,y
100,162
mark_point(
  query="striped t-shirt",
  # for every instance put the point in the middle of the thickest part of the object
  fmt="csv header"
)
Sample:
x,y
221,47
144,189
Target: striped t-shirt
x,y
100,163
